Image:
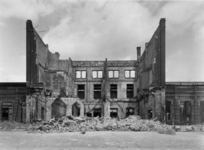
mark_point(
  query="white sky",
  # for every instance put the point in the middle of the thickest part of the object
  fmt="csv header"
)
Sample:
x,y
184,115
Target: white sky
x,y
95,30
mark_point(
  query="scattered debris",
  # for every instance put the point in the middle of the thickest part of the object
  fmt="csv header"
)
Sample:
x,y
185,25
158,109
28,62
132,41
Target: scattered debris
x,y
67,124
83,130
83,125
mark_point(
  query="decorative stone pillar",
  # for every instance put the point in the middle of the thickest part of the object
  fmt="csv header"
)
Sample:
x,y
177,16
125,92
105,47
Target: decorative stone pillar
x,y
48,108
163,105
70,102
81,109
28,109
172,109
24,113
157,105
107,109
69,110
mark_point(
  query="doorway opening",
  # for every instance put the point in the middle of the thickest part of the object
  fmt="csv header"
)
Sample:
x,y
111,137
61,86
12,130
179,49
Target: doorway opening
x,y
76,109
58,108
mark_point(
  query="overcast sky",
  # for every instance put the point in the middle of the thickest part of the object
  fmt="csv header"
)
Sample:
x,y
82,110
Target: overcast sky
x,y
95,30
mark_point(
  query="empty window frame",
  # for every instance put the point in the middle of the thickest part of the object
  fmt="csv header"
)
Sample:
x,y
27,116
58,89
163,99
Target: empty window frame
x,y
129,74
97,91
63,89
97,74
89,114
81,91
114,112
130,111
80,74
113,74
150,114
42,113
97,112
113,91
130,91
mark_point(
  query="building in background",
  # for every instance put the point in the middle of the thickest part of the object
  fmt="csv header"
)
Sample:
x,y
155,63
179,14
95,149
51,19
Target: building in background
x,y
56,87
68,87
184,102
13,102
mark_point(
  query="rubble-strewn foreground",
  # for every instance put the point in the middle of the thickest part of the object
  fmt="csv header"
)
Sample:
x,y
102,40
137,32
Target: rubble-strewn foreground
x,y
77,124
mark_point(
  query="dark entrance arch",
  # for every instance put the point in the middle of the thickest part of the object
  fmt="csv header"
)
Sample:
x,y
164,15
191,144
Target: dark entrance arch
x,y
76,109
58,108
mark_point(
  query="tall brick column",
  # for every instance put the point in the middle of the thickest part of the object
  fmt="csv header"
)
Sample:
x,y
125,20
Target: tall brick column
x,y
28,109
107,109
0,110
48,108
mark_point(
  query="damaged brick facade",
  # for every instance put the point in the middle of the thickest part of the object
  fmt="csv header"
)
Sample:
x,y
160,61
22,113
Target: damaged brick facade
x,y
13,102
97,88
151,76
56,87
184,102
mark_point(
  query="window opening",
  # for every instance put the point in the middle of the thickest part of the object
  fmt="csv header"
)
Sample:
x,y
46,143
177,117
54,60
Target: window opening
x,y
114,112
130,91
97,91
113,90
81,91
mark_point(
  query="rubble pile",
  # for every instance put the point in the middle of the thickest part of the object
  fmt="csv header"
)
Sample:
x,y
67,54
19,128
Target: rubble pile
x,y
12,125
77,124
73,124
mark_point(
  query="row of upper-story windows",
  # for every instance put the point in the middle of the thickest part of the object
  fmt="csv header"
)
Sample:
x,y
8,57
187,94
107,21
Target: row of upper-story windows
x,y
97,91
99,74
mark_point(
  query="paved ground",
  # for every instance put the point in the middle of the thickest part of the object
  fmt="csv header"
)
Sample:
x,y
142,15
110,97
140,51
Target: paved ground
x,y
20,140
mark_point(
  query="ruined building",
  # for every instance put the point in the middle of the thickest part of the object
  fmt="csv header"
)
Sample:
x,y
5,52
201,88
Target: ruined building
x,y
56,87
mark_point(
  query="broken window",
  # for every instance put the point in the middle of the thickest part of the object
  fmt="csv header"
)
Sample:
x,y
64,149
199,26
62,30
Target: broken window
x,y
81,91
150,114
129,111
76,109
89,114
129,74
187,111
114,112
113,74
97,74
97,112
97,91
62,89
113,90
42,113
81,74
130,91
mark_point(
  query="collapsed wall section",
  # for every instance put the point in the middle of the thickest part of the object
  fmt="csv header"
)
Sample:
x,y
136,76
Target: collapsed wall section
x,y
38,57
151,76
152,61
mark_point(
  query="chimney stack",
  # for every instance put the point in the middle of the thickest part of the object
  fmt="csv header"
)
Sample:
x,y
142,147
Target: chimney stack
x,y
138,53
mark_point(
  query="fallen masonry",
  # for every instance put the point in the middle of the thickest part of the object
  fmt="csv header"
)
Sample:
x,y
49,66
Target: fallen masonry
x,y
76,124
86,124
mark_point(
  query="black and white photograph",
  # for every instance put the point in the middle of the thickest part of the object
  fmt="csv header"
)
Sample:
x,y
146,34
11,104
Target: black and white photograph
x,y
101,74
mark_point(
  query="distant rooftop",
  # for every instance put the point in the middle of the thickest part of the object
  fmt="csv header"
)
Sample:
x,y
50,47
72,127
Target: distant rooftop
x,y
12,84
112,63
184,83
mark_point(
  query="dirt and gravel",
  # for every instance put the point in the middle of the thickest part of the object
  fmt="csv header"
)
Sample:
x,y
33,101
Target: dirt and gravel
x,y
99,133
21,140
